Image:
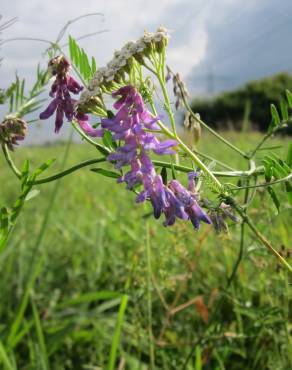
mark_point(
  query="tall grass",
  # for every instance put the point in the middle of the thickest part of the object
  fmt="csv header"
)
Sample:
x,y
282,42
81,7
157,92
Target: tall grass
x,y
92,299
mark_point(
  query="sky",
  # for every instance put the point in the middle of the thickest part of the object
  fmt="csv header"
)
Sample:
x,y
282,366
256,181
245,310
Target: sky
x,y
215,44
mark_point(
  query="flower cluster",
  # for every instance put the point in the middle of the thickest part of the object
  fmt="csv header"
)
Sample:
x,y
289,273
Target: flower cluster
x,y
130,125
62,102
12,130
122,61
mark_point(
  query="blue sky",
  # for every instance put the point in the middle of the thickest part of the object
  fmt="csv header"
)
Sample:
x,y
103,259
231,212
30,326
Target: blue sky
x,y
215,44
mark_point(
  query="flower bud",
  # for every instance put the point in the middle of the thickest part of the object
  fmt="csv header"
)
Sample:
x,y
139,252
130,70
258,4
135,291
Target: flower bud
x,y
12,130
59,65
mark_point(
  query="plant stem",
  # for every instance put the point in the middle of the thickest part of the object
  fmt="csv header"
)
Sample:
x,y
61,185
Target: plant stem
x,y
184,147
149,297
68,171
102,149
223,165
160,74
264,139
263,240
198,162
221,138
241,246
284,179
10,161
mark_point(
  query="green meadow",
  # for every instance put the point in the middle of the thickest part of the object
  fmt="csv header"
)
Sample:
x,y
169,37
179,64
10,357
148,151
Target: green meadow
x,y
79,291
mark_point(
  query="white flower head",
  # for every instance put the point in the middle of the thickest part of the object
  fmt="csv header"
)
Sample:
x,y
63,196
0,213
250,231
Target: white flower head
x,y
140,45
148,37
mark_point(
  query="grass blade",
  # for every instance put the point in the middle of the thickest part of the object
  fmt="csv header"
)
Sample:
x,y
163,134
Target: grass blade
x,y
40,336
117,333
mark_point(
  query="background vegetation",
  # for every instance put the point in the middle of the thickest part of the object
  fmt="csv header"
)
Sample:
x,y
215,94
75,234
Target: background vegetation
x,y
247,105
65,283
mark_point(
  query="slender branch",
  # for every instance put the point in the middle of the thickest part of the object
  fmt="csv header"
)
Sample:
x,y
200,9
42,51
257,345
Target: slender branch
x,y
149,297
263,240
241,246
284,179
265,138
198,162
101,148
195,116
10,161
223,165
68,171
182,145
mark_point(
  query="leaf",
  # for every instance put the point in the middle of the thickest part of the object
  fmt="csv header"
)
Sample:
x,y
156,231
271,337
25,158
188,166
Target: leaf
x,y
81,61
288,188
106,173
284,110
108,140
163,174
275,115
289,98
4,221
32,194
274,197
289,155
93,65
110,114
24,172
43,167
173,171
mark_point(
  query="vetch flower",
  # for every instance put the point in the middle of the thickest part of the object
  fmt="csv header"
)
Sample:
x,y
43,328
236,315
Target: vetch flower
x,y
190,203
12,130
129,125
62,103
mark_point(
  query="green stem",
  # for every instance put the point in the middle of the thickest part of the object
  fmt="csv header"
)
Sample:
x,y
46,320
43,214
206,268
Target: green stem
x,y
239,257
198,162
185,148
263,240
264,139
284,179
160,74
102,149
167,104
10,161
223,165
221,138
68,171
241,246
149,298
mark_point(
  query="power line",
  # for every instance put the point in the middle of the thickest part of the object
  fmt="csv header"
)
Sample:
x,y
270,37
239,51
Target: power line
x,y
251,43
194,15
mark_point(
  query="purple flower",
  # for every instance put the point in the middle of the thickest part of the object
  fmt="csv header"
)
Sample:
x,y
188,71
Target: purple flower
x,y
62,102
129,126
189,201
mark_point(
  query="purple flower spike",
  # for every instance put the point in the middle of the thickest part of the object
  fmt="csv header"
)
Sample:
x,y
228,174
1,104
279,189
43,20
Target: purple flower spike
x,y
129,125
62,103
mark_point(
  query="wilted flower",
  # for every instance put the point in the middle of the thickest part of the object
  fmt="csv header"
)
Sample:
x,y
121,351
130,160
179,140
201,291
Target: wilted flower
x,y
193,125
12,130
219,216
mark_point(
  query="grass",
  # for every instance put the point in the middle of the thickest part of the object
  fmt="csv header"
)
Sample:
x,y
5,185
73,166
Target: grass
x,y
83,295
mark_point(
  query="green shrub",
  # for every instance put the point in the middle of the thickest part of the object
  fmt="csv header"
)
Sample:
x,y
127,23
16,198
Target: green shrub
x,y
229,107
